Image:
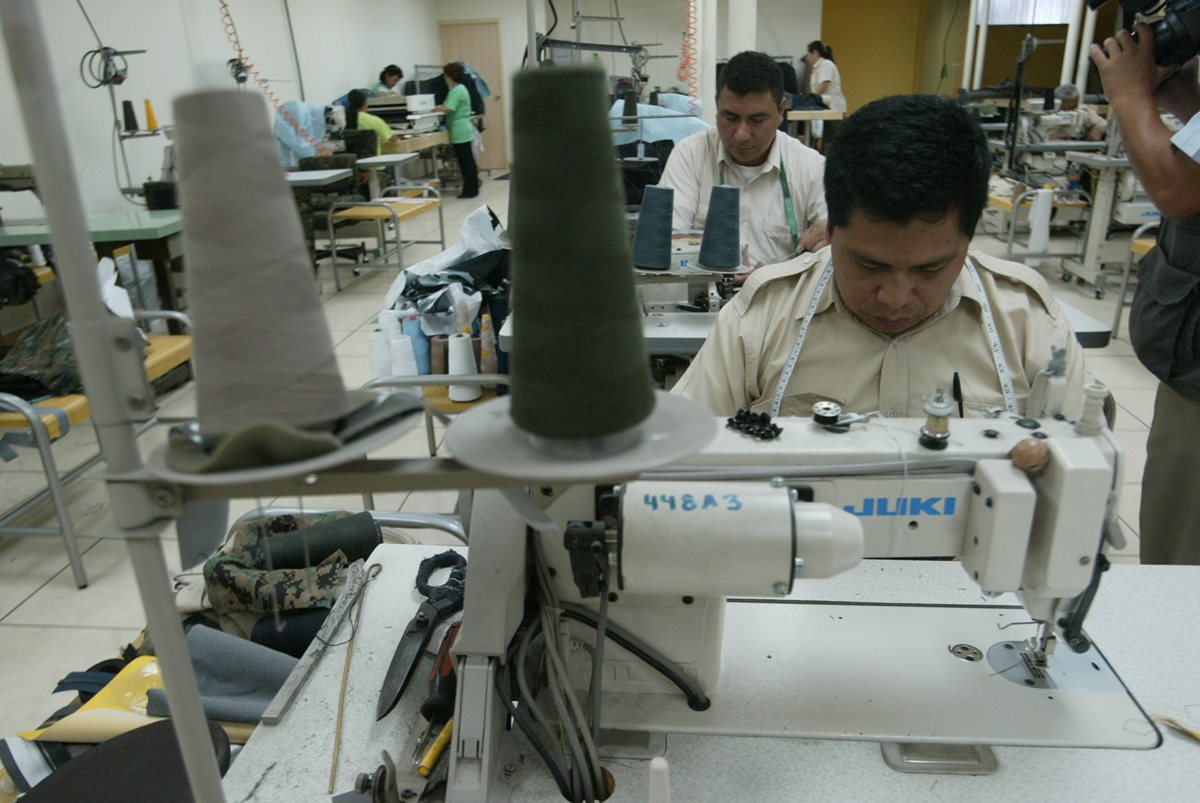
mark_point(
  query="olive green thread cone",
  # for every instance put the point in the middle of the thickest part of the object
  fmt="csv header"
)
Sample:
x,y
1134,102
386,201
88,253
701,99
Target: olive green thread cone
x,y
578,359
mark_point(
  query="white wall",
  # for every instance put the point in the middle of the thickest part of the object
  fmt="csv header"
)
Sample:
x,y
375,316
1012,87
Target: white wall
x,y
341,44
784,27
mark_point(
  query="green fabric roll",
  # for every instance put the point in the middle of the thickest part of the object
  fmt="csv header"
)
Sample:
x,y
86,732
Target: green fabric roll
x,y
578,359
356,536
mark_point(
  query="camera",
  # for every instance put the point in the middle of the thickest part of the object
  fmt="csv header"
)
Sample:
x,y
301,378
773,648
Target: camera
x,y
1176,35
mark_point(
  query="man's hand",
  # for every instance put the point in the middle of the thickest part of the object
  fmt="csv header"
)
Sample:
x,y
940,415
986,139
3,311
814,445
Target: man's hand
x,y
815,237
1126,65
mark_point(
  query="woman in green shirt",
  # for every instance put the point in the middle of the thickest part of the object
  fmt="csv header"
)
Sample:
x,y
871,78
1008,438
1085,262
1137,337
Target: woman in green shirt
x,y
358,117
457,109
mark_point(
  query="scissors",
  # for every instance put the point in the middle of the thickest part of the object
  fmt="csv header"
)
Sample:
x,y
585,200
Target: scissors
x,y
440,603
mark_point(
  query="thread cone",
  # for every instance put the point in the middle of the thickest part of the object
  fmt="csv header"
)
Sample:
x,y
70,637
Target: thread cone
x,y
262,348
579,361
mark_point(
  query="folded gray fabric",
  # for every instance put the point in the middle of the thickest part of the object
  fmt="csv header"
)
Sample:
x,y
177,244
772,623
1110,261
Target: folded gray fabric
x,y
237,678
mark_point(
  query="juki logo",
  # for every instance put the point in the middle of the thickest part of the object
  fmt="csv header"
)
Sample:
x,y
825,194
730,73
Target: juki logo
x,y
905,506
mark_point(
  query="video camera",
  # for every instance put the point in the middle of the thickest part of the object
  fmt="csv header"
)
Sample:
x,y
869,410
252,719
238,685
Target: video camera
x,y
1176,35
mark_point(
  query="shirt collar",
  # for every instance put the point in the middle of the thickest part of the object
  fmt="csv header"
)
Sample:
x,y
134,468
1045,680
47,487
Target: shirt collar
x,y
963,287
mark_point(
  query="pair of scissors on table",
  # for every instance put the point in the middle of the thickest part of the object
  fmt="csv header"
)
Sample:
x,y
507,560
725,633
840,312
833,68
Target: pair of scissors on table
x,y
440,603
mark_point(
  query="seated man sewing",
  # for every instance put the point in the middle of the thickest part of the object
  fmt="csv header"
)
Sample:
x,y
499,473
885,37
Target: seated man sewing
x,y
782,206
1085,123
895,306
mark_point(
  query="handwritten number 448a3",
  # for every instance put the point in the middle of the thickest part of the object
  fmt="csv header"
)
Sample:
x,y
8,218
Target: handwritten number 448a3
x,y
688,502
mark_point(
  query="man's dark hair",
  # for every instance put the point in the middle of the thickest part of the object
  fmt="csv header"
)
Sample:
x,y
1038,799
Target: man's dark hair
x,y
751,71
456,71
905,157
389,71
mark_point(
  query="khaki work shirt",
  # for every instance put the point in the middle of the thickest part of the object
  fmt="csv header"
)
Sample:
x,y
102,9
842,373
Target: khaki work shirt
x,y
696,162
843,360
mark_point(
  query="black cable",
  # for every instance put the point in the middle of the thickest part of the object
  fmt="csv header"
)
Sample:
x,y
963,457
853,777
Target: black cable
x,y
697,700
945,44
527,728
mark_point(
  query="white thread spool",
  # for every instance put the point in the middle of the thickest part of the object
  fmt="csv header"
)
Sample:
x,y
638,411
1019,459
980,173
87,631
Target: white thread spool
x,y
389,322
1039,226
404,359
460,360
381,354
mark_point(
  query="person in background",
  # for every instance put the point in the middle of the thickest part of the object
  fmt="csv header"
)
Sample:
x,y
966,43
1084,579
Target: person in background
x,y
389,80
896,306
825,82
1086,124
1164,323
457,109
824,78
358,117
782,201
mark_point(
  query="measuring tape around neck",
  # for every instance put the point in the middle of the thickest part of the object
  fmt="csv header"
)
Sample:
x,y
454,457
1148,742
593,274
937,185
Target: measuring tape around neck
x,y
790,365
998,358
989,324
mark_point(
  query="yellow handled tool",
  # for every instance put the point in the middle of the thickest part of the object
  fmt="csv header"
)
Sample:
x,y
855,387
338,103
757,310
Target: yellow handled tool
x,y
435,750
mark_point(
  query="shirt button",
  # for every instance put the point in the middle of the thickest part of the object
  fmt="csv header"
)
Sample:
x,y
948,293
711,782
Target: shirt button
x,y
808,259
890,414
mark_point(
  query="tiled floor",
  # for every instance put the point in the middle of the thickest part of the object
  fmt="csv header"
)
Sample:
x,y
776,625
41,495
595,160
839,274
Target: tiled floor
x,y
49,628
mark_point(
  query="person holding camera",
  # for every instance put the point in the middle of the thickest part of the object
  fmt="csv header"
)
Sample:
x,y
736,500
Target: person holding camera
x,y
1164,323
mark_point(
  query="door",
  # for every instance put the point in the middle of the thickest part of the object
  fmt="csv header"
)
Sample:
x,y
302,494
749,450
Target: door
x,y
478,44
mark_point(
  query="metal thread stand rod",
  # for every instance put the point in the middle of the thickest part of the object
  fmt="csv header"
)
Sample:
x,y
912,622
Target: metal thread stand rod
x,y
107,388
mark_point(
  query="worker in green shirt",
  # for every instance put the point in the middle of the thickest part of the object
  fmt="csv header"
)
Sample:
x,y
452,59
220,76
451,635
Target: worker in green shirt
x,y
457,109
358,117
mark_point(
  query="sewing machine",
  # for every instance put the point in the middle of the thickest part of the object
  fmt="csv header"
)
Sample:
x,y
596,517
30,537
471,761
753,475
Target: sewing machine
x,y
707,560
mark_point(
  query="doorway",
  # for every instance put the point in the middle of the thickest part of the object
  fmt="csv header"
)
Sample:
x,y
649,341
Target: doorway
x,y
478,44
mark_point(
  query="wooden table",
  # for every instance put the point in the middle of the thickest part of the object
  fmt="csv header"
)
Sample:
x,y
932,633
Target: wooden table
x,y
812,115
417,144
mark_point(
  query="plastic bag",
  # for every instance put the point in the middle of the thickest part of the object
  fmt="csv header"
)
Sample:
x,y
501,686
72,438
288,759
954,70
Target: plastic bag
x,y
476,237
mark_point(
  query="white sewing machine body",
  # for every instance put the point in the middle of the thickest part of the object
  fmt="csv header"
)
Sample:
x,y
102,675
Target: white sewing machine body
x,y
704,574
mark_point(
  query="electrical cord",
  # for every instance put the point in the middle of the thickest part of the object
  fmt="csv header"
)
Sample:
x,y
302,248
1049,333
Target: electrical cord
x,y
697,700
945,43
518,716
231,34
525,693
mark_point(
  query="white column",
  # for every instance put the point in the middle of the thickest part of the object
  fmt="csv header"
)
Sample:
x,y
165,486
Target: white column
x,y
741,26
1085,41
985,10
969,55
1069,50
706,58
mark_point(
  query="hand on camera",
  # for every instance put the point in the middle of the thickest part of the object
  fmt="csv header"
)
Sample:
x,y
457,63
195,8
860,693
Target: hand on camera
x,y
1126,65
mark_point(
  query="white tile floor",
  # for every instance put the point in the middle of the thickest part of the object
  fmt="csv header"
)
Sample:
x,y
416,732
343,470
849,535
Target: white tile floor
x,y
49,628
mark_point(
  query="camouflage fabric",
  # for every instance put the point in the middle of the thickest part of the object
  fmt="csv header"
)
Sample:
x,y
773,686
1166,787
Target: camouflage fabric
x,y
238,578
42,362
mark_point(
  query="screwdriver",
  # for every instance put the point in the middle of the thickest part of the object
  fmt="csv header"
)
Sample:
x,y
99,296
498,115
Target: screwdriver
x,y
443,680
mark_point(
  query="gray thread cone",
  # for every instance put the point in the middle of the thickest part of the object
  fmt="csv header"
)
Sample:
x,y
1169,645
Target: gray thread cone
x,y
578,359
720,248
652,238
263,351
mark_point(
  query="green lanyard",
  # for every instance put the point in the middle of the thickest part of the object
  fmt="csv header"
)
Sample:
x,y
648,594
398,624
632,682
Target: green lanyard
x,y
789,206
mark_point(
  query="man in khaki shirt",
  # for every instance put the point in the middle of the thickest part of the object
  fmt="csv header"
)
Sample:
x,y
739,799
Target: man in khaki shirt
x,y
905,309
1084,122
782,200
